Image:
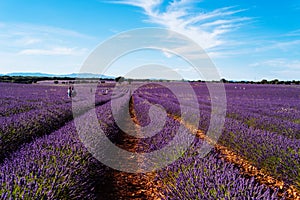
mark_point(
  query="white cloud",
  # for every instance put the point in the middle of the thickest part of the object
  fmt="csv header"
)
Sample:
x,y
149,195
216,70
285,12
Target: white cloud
x,y
14,36
167,54
27,47
294,33
206,28
283,46
30,41
279,63
288,74
27,41
47,30
184,69
54,51
11,62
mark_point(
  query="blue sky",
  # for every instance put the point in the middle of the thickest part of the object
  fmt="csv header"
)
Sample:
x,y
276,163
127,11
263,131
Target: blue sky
x,y
246,40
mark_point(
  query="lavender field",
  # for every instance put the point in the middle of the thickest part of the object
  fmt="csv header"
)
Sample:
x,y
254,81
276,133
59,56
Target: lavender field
x,y
257,156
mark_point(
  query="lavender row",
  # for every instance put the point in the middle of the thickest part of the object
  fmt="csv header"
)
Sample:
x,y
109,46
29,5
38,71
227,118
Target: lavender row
x,y
55,166
19,98
265,98
160,137
23,127
272,108
49,168
174,108
277,154
18,130
274,124
194,177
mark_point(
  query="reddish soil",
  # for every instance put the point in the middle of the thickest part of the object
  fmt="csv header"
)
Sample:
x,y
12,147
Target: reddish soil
x,y
122,185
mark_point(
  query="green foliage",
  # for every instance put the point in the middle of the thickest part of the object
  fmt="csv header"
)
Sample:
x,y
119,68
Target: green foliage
x,y
297,121
251,122
30,79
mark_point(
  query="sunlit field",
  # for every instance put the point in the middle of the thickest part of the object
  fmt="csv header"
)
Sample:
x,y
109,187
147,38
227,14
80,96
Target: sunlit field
x,y
256,156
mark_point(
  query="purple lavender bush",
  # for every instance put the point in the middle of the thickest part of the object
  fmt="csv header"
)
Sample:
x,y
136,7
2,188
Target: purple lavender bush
x,y
55,166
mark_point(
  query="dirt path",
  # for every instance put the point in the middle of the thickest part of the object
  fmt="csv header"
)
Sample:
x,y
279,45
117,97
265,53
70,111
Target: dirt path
x,y
245,166
122,185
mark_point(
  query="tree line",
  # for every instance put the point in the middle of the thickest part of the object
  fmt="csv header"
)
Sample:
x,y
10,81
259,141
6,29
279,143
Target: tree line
x,y
265,81
66,80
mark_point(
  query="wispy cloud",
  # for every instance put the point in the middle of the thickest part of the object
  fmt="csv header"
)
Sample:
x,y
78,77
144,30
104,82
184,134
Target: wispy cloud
x,y
295,32
184,69
41,48
207,28
28,41
55,51
283,46
18,35
279,63
47,30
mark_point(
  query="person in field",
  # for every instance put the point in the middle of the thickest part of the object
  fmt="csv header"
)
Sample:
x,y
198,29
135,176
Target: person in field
x,y
105,91
69,92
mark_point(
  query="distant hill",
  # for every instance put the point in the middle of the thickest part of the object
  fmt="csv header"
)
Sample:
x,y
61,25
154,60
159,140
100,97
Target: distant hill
x,y
73,75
